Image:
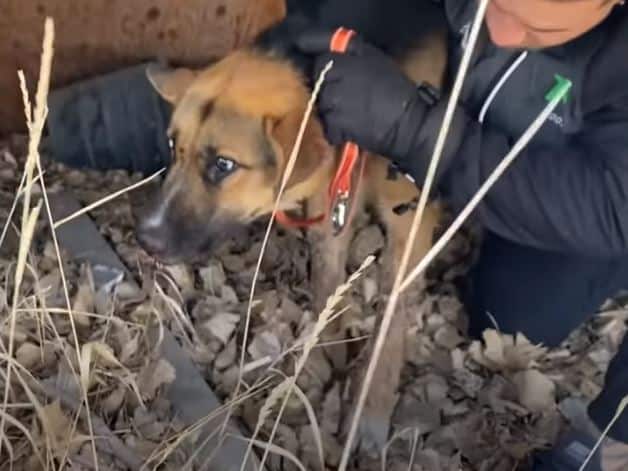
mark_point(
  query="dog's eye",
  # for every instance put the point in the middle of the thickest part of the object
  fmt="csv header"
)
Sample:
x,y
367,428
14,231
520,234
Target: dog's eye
x,y
220,168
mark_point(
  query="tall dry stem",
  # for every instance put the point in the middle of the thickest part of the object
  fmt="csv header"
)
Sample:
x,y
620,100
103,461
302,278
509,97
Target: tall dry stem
x,y
414,229
286,177
35,123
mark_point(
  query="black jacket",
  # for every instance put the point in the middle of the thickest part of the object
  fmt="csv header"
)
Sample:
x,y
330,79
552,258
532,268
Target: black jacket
x,y
568,191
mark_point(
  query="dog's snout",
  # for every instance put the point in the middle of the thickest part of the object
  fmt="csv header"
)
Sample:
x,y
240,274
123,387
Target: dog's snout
x,y
152,238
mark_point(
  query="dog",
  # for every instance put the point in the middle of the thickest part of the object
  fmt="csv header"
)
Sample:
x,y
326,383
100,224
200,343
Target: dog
x,y
232,130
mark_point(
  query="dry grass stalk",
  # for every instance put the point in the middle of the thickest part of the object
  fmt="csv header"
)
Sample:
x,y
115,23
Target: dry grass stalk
x,y
483,190
183,322
414,229
161,454
287,386
415,444
106,199
275,449
34,402
109,442
396,436
287,173
35,121
316,429
66,294
42,96
437,248
7,223
620,410
60,310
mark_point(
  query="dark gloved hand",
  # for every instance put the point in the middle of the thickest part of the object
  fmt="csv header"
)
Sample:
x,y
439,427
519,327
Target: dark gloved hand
x,y
367,99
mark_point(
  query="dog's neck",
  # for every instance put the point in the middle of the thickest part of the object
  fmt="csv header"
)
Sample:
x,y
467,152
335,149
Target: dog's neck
x,y
313,187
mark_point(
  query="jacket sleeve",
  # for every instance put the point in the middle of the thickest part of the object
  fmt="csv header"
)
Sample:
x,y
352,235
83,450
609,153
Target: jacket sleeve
x,y
573,200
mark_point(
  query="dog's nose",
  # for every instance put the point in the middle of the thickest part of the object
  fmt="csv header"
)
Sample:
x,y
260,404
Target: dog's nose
x,y
152,239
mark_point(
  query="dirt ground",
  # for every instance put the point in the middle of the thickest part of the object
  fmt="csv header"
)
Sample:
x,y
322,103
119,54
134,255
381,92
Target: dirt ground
x,y
463,405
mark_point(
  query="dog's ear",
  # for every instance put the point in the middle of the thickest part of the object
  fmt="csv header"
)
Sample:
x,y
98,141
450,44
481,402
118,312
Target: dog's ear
x,y
171,84
281,40
315,150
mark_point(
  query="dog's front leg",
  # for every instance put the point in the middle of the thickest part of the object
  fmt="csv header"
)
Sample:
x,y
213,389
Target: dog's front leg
x,y
382,397
327,272
328,257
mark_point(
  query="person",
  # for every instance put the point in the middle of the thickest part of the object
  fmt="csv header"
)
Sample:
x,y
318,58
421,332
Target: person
x,y
556,243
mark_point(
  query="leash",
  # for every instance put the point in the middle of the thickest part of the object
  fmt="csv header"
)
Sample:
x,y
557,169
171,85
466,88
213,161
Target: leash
x,y
341,190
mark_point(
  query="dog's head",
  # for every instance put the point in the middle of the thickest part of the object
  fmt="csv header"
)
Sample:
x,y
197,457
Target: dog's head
x,y
232,131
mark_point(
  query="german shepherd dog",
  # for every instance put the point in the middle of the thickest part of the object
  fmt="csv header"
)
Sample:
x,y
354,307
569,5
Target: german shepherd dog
x,y
233,127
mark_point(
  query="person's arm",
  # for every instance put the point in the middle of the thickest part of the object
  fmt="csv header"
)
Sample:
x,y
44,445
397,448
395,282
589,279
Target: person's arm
x,y
571,199
574,199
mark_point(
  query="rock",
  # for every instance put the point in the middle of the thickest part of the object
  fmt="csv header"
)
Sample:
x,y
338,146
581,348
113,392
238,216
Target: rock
x,y
428,459
448,337
183,277
227,357
263,345
369,289
222,326
213,277
233,263
601,357
436,391
469,382
30,356
290,312
309,449
287,439
228,295
433,323
319,366
229,380
411,413
147,424
330,421
449,307
114,401
457,359
153,376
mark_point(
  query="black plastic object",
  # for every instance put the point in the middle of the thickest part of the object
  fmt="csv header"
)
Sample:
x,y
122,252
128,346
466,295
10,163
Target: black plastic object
x,y
115,121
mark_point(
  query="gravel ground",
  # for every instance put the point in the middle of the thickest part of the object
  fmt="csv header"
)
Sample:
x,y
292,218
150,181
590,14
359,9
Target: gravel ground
x,y
463,405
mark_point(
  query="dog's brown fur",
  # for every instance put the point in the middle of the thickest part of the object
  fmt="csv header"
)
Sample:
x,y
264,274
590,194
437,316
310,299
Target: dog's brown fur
x,y
248,107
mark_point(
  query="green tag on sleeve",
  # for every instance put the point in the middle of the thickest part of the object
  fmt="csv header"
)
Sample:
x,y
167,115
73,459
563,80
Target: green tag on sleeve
x,y
560,90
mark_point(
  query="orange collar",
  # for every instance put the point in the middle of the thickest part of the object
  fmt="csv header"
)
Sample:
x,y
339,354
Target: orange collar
x,y
341,194
340,208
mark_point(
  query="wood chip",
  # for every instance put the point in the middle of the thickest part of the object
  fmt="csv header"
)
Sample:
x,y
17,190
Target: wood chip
x,y
155,375
536,390
227,357
213,277
448,337
222,325
265,344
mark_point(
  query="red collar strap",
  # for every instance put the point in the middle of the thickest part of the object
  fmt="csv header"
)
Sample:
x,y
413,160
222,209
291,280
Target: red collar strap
x,y
341,193
288,221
